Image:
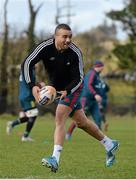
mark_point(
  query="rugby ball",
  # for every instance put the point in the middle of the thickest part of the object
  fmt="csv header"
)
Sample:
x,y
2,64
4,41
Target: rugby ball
x,y
47,95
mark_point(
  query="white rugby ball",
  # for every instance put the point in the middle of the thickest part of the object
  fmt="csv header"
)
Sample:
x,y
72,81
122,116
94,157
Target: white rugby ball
x,y
47,95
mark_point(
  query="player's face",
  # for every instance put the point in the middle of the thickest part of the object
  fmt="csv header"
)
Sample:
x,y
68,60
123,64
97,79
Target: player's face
x,y
63,39
99,69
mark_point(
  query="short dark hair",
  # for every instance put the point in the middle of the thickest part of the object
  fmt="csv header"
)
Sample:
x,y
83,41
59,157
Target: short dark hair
x,y
98,63
62,26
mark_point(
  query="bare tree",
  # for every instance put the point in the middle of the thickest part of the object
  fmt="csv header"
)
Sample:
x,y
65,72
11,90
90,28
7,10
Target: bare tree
x,y
30,33
3,67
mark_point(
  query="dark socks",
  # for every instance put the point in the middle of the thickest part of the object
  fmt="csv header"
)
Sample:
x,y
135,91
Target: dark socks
x,y
29,126
19,121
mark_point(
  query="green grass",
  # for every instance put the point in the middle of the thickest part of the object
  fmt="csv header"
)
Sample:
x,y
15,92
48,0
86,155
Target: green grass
x,y
121,93
82,157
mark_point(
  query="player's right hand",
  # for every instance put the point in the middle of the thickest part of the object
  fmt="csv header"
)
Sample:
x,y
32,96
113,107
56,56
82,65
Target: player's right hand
x,y
35,91
98,98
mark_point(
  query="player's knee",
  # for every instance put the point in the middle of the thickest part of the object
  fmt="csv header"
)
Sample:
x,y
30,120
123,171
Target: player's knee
x,y
59,120
80,124
61,113
32,112
22,114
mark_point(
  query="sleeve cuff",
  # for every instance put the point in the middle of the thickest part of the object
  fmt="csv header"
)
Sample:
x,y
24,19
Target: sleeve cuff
x,y
68,91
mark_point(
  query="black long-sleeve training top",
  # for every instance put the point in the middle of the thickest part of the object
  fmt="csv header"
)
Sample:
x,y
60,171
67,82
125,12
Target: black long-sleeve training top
x,y
65,69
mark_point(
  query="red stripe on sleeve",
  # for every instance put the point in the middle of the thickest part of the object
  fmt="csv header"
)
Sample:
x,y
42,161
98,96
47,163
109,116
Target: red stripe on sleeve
x,y
90,82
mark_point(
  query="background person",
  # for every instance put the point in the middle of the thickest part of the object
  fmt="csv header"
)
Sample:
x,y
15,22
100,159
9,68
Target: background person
x,y
91,96
96,109
29,111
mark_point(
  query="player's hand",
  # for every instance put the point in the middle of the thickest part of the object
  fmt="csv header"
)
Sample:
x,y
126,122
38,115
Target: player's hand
x,y
63,94
98,98
42,84
35,91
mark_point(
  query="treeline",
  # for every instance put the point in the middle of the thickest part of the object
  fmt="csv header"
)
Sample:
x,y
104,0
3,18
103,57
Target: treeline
x,y
98,43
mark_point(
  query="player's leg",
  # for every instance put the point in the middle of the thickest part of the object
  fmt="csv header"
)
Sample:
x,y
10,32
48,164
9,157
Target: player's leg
x,y
103,110
63,110
22,116
106,125
96,115
32,115
28,104
104,120
88,126
73,125
11,124
70,130
31,112
62,113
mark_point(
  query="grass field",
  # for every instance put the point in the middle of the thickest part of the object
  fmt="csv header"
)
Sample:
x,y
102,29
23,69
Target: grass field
x,y
82,156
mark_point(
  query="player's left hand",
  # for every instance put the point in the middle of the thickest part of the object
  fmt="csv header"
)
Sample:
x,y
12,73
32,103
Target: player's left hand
x,y
63,94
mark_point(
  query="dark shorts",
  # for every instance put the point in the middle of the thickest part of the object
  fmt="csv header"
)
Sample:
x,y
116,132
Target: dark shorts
x,y
26,97
73,100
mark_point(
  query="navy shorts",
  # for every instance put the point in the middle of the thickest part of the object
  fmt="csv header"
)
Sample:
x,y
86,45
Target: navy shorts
x,y
73,100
